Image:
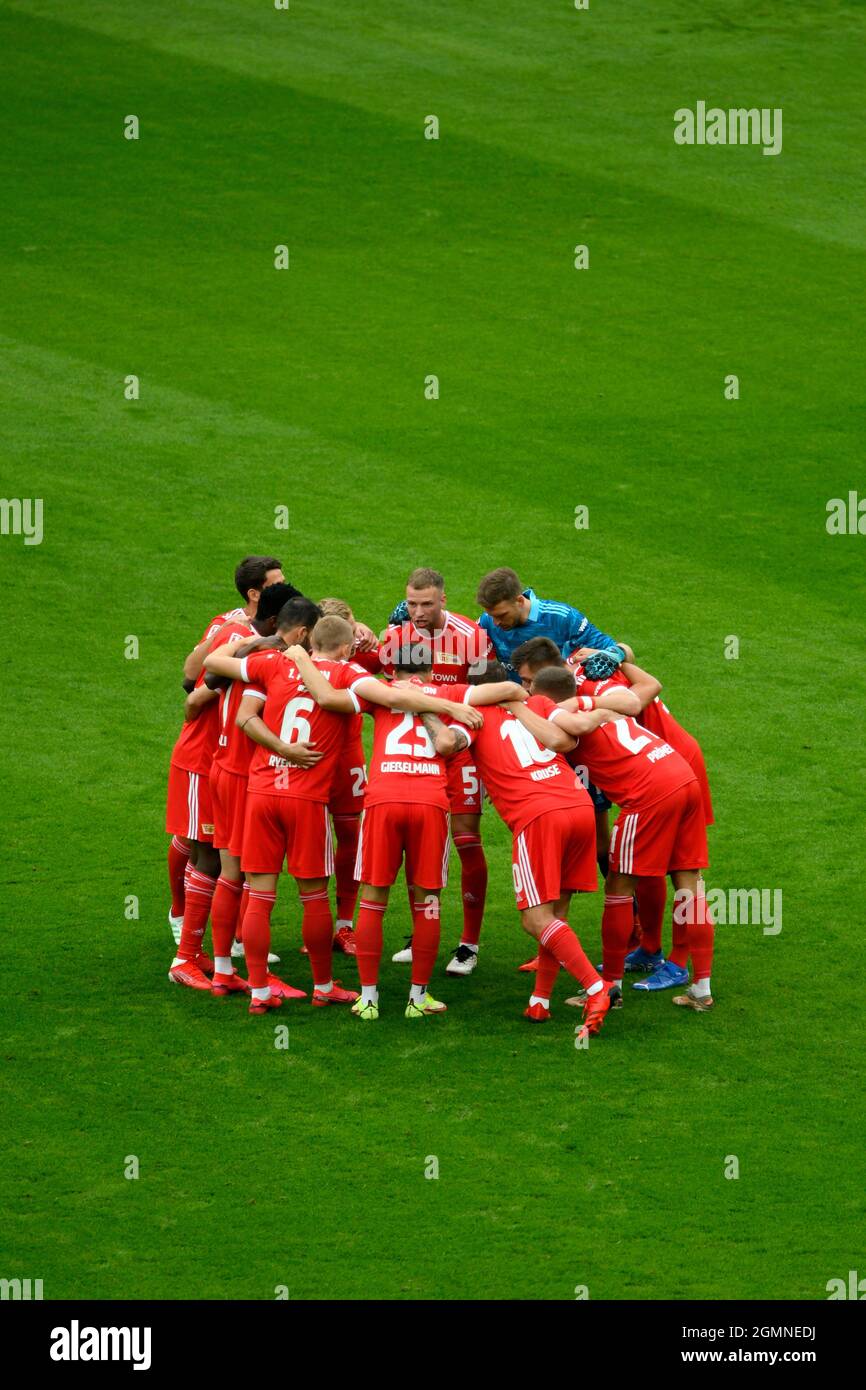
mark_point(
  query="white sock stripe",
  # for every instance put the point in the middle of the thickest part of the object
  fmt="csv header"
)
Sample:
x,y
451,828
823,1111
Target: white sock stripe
x,y
373,907
549,931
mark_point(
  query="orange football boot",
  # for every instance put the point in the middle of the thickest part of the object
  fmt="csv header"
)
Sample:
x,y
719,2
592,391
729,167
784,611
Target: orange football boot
x,y
537,1013
596,1008
224,985
344,941
261,1006
284,991
187,972
335,995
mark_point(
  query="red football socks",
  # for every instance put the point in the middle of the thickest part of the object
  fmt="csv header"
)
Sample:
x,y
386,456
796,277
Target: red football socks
x,y
199,895
616,925
317,929
561,942
224,914
652,894
473,885
347,829
245,902
545,975
701,938
178,858
425,939
257,936
368,941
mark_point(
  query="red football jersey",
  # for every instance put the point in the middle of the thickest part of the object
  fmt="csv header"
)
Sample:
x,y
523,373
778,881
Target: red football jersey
x,y
404,765
197,743
656,716
632,766
457,647
234,749
292,714
522,779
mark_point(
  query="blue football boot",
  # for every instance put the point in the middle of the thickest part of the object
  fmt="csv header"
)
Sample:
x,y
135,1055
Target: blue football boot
x,y
665,976
643,962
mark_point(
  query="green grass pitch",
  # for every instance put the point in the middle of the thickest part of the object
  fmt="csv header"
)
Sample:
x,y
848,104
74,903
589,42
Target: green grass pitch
x,y
304,388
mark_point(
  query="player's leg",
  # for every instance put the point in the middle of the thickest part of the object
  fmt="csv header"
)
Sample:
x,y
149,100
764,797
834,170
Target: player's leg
x,y
426,932
546,971
427,843
180,825
224,916
368,948
690,899
310,861
268,824
618,916
257,940
651,895
602,840
227,894
652,850
190,961
380,854
347,828
537,859
178,858
229,792
466,835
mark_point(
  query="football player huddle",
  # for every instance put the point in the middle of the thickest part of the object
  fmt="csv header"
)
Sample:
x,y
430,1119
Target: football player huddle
x,y
531,706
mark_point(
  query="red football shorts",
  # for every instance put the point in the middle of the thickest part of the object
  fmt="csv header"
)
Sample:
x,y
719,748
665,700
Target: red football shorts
x,y
397,828
465,792
699,768
670,834
347,788
278,827
555,854
188,809
229,796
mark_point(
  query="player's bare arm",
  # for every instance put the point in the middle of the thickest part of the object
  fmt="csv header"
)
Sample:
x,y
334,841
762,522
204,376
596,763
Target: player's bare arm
x,y
446,741
197,700
249,719
560,733
248,645
405,696
192,667
620,698
497,693
548,735
224,662
395,696
365,638
642,684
